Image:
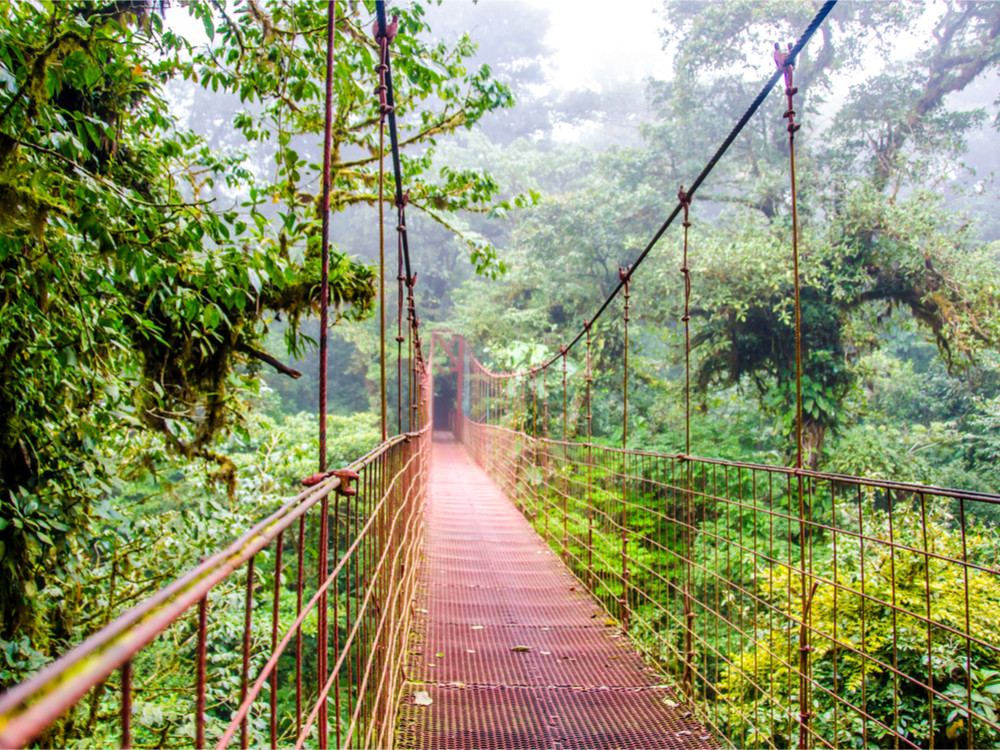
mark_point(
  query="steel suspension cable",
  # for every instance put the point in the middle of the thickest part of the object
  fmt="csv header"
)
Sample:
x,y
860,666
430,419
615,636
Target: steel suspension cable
x,y
393,136
321,663
400,338
814,25
382,37
384,31
324,289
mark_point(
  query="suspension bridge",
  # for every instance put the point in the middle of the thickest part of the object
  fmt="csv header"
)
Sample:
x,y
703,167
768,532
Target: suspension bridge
x,y
485,579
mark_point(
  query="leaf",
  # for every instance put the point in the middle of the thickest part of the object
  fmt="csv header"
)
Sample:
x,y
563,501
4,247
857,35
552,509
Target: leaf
x,y
422,698
955,729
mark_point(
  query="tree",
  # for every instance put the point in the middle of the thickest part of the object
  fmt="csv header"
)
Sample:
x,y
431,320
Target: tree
x,y
877,233
139,267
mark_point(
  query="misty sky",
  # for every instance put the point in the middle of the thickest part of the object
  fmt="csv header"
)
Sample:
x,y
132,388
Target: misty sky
x,y
595,43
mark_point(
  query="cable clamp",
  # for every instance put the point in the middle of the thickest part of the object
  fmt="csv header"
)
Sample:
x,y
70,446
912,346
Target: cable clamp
x,y
313,479
781,59
390,31
345,476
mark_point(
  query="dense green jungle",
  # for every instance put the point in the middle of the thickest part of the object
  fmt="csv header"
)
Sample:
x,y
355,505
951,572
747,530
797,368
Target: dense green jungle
x,y
159,261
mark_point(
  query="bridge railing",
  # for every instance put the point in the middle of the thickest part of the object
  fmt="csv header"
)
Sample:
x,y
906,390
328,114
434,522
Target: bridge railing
x,y
794,608
322,589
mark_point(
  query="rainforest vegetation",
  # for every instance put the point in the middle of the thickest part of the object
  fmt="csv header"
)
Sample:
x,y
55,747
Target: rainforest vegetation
x,y
159,256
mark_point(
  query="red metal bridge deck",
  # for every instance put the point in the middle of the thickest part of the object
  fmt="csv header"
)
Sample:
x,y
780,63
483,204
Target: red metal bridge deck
x,y
508,647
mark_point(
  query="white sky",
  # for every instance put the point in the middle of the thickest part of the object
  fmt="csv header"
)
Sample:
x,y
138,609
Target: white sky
x,y
594,43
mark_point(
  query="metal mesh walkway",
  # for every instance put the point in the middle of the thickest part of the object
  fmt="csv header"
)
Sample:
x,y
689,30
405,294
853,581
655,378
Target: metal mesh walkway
x,y
508,648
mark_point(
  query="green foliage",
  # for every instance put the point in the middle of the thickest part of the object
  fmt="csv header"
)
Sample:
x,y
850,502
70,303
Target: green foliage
x,y
847,623
141,264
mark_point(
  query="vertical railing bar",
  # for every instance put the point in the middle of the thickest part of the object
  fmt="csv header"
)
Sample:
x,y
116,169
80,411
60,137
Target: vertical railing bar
x,y
836,591
275,613
201,673
363,492
336,590
968,623
126,704
927,612
321,621
247,625
299,585
895,629
863,608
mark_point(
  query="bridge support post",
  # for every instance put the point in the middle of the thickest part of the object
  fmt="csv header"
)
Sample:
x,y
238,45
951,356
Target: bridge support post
x,y
565,466
625,275
590,472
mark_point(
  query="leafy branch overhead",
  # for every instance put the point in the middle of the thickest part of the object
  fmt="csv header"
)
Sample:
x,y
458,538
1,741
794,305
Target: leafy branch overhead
x,y
273,56
141,262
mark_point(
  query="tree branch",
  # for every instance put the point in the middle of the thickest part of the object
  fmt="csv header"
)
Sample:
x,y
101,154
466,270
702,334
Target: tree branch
x,y
107,183
265,357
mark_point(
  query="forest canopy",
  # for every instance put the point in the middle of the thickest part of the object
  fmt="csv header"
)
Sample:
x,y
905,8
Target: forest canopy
x,y
142,262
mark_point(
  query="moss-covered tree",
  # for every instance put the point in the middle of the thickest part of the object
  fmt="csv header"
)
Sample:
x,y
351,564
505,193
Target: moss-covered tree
x,y
139,267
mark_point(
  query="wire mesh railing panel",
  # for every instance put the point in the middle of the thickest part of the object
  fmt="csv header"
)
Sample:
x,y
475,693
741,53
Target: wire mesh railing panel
x,y
291,636
796,608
